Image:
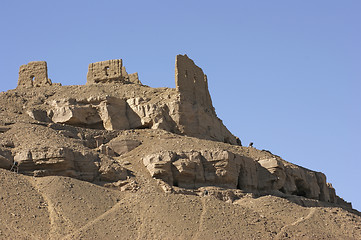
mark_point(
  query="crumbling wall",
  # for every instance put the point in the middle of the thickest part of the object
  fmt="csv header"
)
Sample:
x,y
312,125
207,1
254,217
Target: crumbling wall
x,y
110,71
197,116
106,71
191,82
133,77
34,74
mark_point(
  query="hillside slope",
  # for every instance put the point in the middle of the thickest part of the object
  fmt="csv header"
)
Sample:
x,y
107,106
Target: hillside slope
x,y
115,159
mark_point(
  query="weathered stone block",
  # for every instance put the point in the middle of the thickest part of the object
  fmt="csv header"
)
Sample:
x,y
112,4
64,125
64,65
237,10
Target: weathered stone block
x,y
122,146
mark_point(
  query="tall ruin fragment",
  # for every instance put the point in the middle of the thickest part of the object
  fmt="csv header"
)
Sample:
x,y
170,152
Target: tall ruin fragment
x,y
196,112
34,74
191,82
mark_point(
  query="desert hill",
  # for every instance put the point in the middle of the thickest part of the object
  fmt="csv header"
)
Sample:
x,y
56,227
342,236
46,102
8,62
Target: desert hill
x,y
115,159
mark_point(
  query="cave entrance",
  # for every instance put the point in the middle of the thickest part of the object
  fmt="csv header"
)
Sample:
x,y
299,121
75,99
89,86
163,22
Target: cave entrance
x,y
302,189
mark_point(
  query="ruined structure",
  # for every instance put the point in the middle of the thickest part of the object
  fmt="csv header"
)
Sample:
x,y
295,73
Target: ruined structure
x,y
196,112
114,100
34,74
110,71
186,110
191,83
62,147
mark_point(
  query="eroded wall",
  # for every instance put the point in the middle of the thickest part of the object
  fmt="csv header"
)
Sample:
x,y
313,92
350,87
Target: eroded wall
x,y
34,74
110,71
197,116
191,82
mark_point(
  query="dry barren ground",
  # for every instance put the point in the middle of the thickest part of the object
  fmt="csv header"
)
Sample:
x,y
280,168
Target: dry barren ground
x,y
64,208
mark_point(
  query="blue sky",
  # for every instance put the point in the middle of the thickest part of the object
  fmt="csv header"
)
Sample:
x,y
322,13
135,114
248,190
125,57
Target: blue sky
x,y
282,74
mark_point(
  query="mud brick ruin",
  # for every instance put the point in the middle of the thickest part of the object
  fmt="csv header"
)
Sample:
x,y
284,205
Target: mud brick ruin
x,y
34,74
110,71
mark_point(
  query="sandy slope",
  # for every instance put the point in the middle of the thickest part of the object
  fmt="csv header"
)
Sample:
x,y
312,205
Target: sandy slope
x,y
65,208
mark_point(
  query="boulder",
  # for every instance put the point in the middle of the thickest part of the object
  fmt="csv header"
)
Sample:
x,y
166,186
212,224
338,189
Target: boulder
x,y
113,113
69,111
122,146
112,173
39,115
108,113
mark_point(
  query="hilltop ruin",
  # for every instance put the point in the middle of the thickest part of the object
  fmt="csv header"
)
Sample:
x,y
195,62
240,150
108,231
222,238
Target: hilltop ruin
x,y
92,125
118,159
188,110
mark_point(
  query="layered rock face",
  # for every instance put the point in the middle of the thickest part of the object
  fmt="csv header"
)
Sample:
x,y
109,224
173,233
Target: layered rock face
x,y
109,113
57,161
112,113
38,150
225,169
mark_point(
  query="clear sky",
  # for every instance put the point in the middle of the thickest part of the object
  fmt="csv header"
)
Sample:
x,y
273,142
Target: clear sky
x,y
283,74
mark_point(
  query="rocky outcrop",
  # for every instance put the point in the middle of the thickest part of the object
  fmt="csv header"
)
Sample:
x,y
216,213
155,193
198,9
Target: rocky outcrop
x,y
195,169
67,162
110,71
160,115
111,113
108,113
57,161
34,74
